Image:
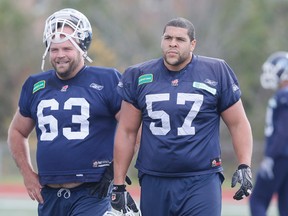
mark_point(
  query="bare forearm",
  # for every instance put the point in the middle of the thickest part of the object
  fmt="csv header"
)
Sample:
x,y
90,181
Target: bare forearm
x,y
19,149
240,130
123,154
18,134
242,142
126,139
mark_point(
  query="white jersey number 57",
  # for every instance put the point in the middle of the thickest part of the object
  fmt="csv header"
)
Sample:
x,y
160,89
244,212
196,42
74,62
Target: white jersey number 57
x,y
186,128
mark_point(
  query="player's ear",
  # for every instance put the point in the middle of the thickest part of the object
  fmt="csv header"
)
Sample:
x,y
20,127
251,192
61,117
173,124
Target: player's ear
x,y
192,45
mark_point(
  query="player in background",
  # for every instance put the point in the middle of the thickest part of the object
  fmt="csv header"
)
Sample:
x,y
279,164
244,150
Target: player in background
x,y
272,177
74,109
179,99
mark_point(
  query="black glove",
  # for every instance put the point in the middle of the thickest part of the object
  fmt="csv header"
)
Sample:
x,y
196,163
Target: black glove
x,y
122,201
243,175
103,186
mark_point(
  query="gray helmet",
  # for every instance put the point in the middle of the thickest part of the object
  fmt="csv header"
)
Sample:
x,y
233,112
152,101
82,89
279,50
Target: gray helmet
x,y
275,70
81,36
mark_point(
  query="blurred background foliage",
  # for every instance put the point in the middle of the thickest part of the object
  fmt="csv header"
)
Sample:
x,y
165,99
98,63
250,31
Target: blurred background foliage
x,y
127,32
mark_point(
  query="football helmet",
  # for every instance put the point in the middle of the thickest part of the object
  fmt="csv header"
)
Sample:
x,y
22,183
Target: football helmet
x,y
274,70
80,38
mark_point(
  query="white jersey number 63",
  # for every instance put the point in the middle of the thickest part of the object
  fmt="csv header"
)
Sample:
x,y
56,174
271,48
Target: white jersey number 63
x,y
53,122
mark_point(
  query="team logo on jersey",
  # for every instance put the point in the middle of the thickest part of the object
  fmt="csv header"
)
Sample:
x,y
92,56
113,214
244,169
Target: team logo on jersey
x,y
103,163
147,78
39,85
175,82
210,82
96,86
204,87
64,88
216,162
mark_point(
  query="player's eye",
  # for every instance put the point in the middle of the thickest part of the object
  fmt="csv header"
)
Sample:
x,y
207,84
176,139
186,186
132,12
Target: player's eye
x,y
181,39
167,37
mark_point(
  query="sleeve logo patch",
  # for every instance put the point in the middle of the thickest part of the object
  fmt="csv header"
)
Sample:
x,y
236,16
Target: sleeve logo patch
x,y
147,78
235,87
205,87
39,85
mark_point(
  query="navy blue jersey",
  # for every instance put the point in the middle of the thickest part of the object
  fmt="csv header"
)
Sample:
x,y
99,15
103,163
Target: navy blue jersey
x,y
180,113
75,122
276,125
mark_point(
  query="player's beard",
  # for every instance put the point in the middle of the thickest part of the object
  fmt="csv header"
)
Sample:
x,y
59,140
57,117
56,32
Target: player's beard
x,y
176,60
67,70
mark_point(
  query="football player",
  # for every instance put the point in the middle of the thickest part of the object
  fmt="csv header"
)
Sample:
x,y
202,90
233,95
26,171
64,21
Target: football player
x,y
179,100
272,177
73,108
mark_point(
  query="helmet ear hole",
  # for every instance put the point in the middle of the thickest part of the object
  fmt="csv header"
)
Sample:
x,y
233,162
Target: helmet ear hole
x,y
85,44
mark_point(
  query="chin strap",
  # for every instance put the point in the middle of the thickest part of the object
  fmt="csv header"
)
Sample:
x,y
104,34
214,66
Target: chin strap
x,y
43,57
84,54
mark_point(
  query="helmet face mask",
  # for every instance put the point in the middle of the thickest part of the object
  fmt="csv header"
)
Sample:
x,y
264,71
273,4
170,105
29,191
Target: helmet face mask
x,y
82,31
81,36
275,70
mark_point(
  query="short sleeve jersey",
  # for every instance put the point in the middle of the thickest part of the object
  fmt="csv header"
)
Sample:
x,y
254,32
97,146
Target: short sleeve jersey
x,y
180,114
75,122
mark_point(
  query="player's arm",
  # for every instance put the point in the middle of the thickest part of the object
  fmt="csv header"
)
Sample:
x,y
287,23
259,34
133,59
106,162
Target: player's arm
x,y
240,130
125,140
18,134
241,133
124,148
138,138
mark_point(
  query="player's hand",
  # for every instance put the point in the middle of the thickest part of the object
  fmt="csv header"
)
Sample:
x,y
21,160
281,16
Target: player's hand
x,y
266,168
102,188
121,200
243,175
33,187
